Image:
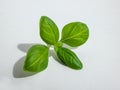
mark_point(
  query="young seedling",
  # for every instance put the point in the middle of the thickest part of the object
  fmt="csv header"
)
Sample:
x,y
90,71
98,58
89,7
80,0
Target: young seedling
x,y
73,34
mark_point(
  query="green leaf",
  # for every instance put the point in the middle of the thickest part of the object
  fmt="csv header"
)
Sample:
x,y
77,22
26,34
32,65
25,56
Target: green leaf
x,y
48,30
69,58
36,59
75,34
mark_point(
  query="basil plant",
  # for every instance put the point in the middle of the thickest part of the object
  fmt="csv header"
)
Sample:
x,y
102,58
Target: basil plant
x,y
73,34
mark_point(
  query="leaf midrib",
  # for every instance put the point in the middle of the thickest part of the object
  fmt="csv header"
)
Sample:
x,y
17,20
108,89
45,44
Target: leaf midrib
x,y
52,31
37,59
73,36
72,56
48,32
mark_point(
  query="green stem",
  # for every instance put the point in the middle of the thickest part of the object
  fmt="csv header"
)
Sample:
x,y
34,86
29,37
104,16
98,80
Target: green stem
x,y
58,44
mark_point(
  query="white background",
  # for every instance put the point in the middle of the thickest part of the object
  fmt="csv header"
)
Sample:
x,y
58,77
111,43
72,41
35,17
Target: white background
x,y
19,28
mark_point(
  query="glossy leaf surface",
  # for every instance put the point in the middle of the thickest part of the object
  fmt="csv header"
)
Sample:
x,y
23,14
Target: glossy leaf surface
x,y
48,30
36,59
75,34
69,58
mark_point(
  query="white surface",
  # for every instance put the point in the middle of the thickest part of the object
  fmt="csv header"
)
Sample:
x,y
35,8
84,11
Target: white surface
x,y
19,27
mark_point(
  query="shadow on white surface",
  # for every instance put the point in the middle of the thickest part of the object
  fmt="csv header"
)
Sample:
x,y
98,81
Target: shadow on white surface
x,y
24,47
18,71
